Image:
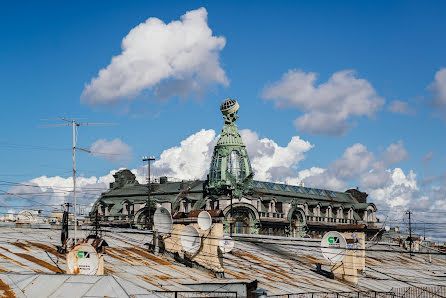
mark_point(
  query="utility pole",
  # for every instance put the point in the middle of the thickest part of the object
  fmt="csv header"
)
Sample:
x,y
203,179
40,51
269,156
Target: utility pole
x,y
74,124
149,187
410,232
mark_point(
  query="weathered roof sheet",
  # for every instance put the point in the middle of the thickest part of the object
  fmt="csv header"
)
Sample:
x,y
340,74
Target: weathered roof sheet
x,y
281,265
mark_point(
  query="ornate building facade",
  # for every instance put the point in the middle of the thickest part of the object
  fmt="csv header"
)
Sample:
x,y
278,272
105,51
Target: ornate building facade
x,y
248,206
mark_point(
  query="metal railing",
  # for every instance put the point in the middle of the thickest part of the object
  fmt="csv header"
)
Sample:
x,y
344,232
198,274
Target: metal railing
x,y
263,214
409,292
193,294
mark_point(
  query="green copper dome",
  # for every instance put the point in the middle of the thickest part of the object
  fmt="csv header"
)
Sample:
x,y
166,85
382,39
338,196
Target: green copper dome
x,y
230,166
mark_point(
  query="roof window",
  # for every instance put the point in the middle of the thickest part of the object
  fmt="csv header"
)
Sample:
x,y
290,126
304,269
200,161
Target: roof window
x,y
297,189
310,190
271,186
285,187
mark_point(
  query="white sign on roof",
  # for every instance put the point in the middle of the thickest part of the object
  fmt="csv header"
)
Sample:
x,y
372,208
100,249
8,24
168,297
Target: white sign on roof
x,y
333,246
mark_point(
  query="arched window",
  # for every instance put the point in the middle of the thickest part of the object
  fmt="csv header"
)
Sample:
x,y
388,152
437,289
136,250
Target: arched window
x,y
215,172
370,215
241,220
297,224
184,205
272,206
329,212
234,164
350,213
340,215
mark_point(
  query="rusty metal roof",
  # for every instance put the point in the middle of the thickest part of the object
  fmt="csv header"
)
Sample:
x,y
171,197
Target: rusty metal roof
x,y
281,265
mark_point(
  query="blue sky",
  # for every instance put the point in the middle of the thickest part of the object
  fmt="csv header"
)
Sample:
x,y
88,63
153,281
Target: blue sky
x,y
50,52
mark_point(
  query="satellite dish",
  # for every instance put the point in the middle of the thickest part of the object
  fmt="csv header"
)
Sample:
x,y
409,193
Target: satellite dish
x,y
83,259
226,244
162,220
190,239
387,228
204,220
333,246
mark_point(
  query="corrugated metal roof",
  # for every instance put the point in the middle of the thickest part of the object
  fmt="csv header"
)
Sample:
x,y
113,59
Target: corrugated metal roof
x,y
281,265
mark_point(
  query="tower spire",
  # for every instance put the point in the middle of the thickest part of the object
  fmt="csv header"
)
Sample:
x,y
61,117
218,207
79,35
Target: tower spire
x,y
230,167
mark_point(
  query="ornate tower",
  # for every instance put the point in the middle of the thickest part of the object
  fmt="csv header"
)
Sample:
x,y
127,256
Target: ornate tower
x,y
230,166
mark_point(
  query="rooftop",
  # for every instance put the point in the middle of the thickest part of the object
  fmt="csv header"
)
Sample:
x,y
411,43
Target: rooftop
x,y
281,265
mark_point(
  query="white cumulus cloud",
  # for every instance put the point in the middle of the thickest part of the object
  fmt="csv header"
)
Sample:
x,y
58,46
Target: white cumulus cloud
x,y
400,191
355,161
114,150
329,106
167,59
50,192
271,161
438,87
395,153
190,160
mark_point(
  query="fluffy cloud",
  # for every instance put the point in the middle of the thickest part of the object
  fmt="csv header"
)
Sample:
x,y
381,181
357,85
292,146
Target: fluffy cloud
x,y
375,178
400,191
400,107
190,160
50,192
271,161
395,153
438,87
357,164
355,160
329,106
114,150
170,59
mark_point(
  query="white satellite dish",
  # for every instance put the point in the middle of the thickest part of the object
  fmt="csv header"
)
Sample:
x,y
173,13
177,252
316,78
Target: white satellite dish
x,y
387,228
190,239
333,246
226,244
83,259
162,220
204,220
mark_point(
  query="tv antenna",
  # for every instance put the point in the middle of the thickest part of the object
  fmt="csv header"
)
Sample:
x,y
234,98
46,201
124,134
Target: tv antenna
x,y
72,122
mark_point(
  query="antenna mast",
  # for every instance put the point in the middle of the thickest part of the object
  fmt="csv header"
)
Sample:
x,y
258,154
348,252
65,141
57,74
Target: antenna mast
x,y
149,185
74,124
410,232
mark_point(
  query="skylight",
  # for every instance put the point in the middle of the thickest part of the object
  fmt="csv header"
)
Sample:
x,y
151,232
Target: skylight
x,y
332,194
320,192
285,187
297,189
310,190
258,184
272,186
